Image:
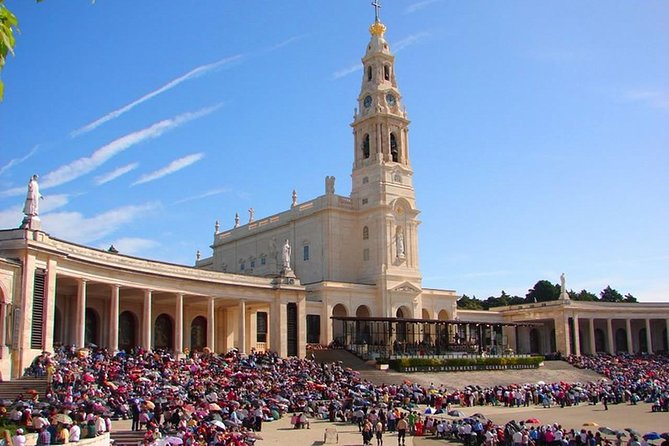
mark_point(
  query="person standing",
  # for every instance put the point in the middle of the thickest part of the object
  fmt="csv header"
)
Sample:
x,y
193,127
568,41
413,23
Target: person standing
x,y
379,432
402,427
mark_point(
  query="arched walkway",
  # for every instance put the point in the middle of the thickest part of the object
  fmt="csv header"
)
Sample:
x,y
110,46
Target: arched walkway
x,y
338,328
91,331
402,313
621,340
198,333
127,331
362,331
163,333
600,340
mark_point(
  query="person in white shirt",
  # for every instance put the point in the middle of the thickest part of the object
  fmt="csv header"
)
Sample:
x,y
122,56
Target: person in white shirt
x,y
19,439
75,433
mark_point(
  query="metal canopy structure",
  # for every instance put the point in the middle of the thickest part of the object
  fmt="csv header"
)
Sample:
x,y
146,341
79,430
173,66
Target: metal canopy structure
x,y
391,337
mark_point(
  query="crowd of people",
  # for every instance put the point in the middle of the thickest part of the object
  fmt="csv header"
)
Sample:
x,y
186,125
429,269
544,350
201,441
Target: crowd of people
x,y
221,400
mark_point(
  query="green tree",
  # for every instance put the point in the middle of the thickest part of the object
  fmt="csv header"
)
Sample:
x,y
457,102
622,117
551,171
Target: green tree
x,y
583,295
630,299
502,301
608,294
469,303
8,26
543,291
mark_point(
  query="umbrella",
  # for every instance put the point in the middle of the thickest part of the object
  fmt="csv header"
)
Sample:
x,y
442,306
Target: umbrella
x,y
32,391
633,431
541,383
229,423
174,440
607,430
456,413
62,418
149,405
650,436
590,423
532,421
214,407
665,435
219,424
479,416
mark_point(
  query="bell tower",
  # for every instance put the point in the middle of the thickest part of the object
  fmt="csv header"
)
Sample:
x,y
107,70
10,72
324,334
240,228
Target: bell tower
x,y
382,177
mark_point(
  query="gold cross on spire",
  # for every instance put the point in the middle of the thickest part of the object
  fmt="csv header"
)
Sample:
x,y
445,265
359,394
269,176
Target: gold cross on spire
x,y
377,9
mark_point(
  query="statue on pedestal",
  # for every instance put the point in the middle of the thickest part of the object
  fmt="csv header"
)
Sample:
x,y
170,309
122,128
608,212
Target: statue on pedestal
x,y
31,207
285,255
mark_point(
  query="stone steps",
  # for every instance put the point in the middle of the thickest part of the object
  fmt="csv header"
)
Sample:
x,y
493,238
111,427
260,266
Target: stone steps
x,y
10,389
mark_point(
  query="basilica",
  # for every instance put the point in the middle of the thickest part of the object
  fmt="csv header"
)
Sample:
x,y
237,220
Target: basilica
x,y
336,269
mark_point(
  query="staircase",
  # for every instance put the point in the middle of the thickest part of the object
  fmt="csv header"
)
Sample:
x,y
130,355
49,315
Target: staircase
x,y
125,436
366,369
10,389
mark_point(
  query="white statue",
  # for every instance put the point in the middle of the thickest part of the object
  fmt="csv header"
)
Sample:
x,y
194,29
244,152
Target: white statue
x,y
399,240
286,255
236,219
31,207
252,214
563,289
294,198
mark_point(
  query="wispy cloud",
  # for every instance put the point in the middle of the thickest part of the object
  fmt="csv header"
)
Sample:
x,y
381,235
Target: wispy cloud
x,y
286,42
171,168
652,97
17,161
74,226
192,74
202,195
82,166
409,40
109,176
132,246
419,5
346,71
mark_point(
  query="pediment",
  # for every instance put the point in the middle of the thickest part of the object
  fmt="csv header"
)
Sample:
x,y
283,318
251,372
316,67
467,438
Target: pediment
x,y
406,288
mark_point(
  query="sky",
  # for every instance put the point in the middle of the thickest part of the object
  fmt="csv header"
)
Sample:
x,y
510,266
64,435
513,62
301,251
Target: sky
x,y
539,137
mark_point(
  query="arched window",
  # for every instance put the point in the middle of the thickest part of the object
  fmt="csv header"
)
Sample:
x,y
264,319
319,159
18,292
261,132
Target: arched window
x,y
386,72
393,148
162,333
365,233
369,73
365,146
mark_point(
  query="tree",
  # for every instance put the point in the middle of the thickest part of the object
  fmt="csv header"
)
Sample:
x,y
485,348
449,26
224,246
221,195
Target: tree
x,y
8,26
630,299
502,301
608,294
469,303
583,295
543,291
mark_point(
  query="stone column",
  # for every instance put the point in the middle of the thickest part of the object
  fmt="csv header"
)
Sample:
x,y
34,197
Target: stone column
x,y
628,329
649,337
593,344
302,326
81,315
179,325
147,321
211,325
113,317
241,326
49,310
609,336
577,336
278,327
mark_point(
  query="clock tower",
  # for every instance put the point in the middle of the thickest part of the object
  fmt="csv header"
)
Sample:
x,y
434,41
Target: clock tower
x,y
382,180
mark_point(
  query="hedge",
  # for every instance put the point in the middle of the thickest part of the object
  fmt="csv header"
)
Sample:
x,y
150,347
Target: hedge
x,y
465,364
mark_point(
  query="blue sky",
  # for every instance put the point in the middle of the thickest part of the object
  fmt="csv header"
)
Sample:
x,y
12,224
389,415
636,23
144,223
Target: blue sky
x,y
539,136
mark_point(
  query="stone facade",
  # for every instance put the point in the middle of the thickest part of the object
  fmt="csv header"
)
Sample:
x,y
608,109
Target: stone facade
x,y
351,255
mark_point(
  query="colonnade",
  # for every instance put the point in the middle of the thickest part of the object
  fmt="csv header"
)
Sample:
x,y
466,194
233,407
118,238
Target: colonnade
x,y
642,334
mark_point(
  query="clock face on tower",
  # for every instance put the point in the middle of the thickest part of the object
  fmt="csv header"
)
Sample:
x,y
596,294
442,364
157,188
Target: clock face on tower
x,y
390,99
368,101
